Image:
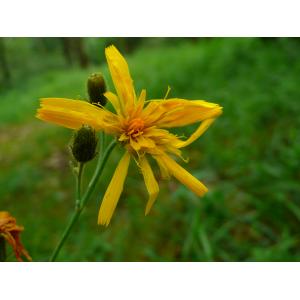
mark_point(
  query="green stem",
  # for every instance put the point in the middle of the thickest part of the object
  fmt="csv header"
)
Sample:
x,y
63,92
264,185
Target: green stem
x,y
78,184
2,249
85,198
102,142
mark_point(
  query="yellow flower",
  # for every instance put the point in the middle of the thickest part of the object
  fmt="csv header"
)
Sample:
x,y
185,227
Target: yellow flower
x,y
140,126
11,233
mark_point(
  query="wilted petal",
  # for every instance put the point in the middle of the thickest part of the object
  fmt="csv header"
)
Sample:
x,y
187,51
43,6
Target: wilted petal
x,y
11,233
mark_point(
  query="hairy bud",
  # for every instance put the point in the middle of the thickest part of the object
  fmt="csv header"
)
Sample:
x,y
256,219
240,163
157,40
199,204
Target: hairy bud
x,y
96,87
84,144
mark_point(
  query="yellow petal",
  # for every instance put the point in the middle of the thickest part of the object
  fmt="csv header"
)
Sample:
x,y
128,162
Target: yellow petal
x,y
73,113
180,112
145,142
140,143
196,134
184,176
123,137
140,103
113,191
72,121
121,78
164,171
135,145
114,100
150,182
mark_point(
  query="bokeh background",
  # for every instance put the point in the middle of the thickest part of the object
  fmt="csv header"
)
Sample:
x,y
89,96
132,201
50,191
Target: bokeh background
x,y
249,158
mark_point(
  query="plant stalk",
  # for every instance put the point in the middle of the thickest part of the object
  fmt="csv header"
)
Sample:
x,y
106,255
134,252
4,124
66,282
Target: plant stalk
x,y
78,184
83,201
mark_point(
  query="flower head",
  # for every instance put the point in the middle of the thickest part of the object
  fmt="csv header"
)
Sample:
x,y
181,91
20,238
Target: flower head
x,y
10,231
140,126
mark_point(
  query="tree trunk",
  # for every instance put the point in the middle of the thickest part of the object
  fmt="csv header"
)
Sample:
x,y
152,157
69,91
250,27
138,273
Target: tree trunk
x,y
67,50
4,63
2,249
78,46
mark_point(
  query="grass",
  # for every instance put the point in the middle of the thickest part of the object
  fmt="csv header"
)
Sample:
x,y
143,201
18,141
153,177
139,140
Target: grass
x,y
249,159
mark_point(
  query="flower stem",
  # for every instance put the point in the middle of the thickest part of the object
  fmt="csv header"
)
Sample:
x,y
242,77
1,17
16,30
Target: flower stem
x,y
102,142
78,184
2,249
100,166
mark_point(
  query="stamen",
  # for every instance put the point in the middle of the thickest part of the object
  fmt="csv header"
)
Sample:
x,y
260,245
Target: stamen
x,y
135,128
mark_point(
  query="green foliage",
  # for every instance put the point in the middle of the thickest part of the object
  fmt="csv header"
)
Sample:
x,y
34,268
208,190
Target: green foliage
x,y
249,158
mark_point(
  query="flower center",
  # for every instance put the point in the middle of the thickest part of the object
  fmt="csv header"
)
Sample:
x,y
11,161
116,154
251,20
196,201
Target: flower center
x,y
135,127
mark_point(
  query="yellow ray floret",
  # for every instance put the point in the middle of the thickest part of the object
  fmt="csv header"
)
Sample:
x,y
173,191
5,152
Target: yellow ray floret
x,y
184,176
121,77
150,182
75,113
114,191
140,126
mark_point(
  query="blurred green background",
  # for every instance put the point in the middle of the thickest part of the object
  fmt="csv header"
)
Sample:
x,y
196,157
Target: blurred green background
x,y
249,158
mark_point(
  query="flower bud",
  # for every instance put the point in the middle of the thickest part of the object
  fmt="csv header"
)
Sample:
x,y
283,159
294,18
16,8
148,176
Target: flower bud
x,y
96,87
84,144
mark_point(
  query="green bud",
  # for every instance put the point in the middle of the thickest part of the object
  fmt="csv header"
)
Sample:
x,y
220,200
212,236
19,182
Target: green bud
x,y
84,144
96,87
